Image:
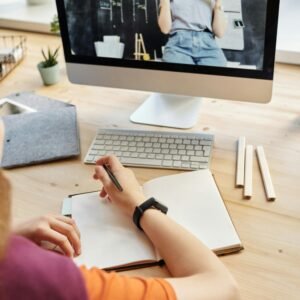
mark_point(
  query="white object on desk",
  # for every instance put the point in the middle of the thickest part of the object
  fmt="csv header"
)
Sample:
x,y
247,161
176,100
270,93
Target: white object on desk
x,y
240,168
264,168
248,172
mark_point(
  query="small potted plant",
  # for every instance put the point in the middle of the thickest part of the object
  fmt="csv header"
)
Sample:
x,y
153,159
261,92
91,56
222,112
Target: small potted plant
x,y
49,68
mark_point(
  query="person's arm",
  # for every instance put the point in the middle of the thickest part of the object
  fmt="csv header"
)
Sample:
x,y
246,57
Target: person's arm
x,y
165,19
220,23
198,273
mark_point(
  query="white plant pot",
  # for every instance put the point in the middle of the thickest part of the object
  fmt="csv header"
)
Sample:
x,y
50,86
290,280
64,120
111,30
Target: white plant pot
x,y
49,75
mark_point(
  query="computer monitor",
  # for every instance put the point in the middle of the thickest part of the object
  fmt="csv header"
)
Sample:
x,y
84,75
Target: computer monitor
x,y
181,49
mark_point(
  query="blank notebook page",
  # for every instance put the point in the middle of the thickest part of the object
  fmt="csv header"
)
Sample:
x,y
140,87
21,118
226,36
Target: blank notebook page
x,y
108,237
194,202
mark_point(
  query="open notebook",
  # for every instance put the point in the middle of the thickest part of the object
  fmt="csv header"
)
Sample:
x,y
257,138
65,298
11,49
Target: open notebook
x,y
110,240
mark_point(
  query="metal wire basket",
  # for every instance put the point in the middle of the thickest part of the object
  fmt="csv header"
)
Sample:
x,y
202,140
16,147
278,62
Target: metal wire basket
x,y
12,51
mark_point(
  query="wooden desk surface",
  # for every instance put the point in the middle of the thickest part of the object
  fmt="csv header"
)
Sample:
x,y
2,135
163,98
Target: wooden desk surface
x,y
269,267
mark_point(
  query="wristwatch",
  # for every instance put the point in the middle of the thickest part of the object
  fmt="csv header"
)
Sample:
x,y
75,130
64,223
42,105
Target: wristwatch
x,y
139,210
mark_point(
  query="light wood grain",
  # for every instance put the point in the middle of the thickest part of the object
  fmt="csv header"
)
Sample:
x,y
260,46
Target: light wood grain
x,y
269,267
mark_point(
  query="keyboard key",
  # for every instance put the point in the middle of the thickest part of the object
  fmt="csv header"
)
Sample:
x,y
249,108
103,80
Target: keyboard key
x,y
199,153
186,165
167,163
90,158
199,159
195,165
132,149
205,143
190,153
141,161
206,150
99,142
101,153
177,164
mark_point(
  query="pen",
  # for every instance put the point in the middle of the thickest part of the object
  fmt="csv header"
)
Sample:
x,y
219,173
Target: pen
x,y
113,178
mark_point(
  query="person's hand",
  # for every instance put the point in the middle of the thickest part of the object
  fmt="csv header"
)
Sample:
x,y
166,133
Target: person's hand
x,y
132,194
58,230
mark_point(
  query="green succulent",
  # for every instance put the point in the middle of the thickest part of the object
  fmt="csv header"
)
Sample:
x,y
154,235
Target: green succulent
x,y
50,58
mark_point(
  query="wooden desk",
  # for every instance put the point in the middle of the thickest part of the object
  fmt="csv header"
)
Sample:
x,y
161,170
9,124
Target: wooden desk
x,y
269,267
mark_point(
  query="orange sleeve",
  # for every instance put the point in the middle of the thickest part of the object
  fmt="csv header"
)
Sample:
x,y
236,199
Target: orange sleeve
x,y
101,285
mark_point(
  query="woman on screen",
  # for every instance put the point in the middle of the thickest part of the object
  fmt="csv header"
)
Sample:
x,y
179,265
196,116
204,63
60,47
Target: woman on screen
x,y
29,272
192,26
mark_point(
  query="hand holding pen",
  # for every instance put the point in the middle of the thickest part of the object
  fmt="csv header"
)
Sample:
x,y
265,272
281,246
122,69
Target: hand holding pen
x,y
109,167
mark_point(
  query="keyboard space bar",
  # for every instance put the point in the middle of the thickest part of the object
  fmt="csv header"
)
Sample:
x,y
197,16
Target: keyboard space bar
x,y
140,161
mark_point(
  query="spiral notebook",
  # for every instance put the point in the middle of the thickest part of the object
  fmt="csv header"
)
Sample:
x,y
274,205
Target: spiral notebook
x,y
111,241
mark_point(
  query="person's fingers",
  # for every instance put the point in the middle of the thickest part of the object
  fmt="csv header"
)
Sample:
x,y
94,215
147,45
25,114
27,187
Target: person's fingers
x,y
103,193
58,239
69,221
102,175
68,231
110,160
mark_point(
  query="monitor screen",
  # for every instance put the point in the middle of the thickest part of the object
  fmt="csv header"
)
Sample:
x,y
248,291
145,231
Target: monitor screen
x,y
220,37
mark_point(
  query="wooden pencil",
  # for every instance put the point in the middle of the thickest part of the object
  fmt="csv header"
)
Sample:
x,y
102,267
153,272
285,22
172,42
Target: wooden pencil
x,y
265,172
240,166
248,172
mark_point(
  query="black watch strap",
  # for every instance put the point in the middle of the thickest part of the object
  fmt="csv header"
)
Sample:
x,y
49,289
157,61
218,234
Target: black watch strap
x,y
139,210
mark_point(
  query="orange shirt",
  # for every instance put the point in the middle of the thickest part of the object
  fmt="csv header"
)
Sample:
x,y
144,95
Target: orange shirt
x,y
101,285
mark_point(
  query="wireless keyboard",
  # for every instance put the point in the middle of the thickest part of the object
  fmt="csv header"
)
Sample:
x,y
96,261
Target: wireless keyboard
x,y
153,149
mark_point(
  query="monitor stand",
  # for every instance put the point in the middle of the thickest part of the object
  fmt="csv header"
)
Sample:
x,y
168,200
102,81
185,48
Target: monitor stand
x,y
168,111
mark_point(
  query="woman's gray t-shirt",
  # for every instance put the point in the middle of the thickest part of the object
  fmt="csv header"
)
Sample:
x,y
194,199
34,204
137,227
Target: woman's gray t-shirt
x,y
192,14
